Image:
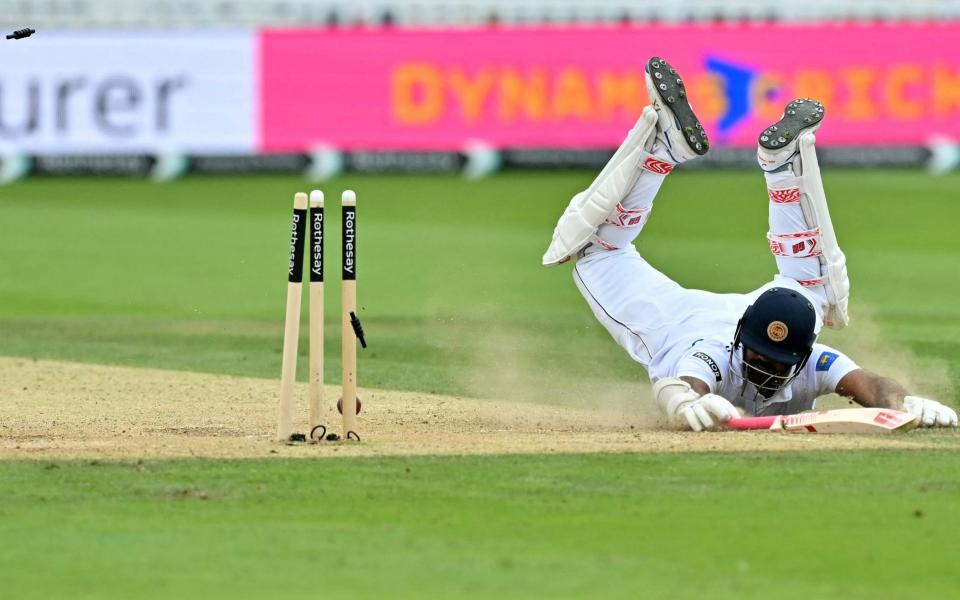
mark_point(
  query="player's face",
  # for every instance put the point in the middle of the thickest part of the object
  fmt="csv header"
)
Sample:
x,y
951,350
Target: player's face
x,y
766,374
762,362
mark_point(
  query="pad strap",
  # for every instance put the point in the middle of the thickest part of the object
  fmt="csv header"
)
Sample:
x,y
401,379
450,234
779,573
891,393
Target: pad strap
x,y
624,217
801,244
655,165
789,195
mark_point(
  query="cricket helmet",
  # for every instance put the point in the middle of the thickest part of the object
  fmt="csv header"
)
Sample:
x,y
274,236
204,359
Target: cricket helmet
x,y
781,325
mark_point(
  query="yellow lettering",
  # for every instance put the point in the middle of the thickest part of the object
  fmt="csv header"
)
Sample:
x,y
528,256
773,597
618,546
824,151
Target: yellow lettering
x,y
571,95
471,93
859,106
526,94
894,92
416,93
620,93
946,91
816,84
767,101
707,96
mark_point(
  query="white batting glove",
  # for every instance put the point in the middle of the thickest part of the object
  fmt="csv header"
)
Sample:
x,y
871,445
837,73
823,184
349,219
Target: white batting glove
x,y
698,412
931,412
685,408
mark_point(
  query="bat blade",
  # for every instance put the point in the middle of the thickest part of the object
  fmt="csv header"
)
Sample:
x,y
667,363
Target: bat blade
x,y
844,420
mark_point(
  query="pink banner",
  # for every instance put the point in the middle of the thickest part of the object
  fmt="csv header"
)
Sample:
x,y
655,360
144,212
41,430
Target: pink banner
x,y
584,86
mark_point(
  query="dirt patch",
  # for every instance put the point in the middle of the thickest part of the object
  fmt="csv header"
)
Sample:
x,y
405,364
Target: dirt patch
x,y
51,409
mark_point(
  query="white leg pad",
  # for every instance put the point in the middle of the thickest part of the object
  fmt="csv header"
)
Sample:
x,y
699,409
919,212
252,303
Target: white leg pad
x,y
808,251
813,200
590,208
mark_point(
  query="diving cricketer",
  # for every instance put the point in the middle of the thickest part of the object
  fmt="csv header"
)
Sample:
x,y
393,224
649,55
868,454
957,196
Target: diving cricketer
x,y
712,357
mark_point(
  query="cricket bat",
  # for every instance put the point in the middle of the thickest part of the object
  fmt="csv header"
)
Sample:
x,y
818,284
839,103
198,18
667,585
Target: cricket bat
x,y
843,420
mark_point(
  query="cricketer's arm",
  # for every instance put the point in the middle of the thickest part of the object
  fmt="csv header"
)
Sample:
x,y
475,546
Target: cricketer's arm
x,y
866,388
869,389
698,385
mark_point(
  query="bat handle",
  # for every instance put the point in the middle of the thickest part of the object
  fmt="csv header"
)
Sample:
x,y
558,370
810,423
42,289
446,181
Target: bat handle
x,y
746,423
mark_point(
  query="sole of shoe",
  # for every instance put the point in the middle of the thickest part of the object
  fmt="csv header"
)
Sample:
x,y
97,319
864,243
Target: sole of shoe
x,y
799,116
673,95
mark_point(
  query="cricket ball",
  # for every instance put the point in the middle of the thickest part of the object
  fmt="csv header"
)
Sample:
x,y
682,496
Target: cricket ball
x,y
340,406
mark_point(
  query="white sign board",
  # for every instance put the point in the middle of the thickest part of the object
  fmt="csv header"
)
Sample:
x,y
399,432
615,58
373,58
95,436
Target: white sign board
x,y
120,92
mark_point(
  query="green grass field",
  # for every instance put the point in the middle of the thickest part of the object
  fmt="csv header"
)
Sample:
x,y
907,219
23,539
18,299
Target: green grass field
x,y
191,276
805,525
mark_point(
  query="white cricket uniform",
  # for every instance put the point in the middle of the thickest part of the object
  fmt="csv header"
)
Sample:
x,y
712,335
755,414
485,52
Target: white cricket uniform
x,y
674,331
679,332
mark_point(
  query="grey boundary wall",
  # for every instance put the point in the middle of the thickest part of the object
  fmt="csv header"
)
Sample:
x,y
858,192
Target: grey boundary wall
x,y
470,163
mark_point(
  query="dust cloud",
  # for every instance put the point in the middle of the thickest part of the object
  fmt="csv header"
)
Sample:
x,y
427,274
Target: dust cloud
x,y
509,365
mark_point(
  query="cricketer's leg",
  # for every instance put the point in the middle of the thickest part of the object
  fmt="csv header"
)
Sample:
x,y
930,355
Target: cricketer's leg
x,y
611,212
801,234
631,299
591,207
634,301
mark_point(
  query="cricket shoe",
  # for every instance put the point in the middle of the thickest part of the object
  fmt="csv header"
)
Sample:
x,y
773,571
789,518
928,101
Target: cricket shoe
x,y
779,143
679,129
